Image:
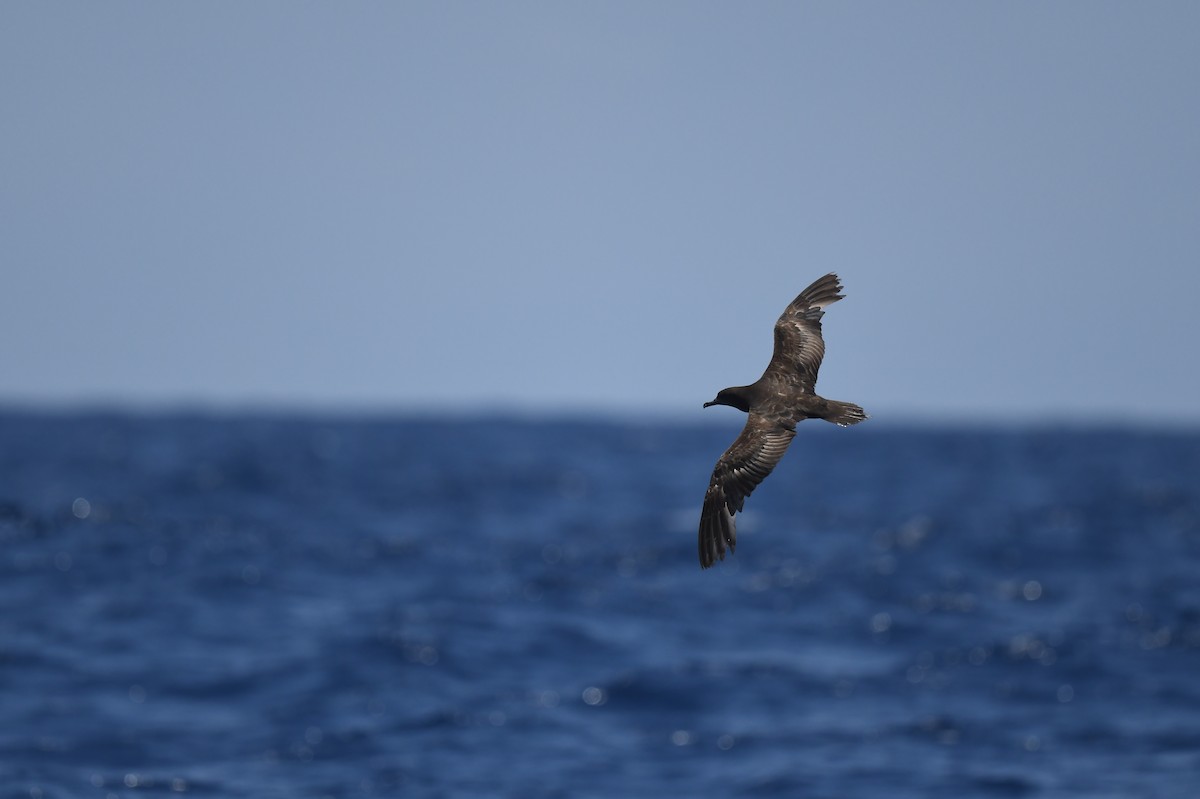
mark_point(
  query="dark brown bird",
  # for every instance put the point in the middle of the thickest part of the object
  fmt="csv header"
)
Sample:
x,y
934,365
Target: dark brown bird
x,y
783,396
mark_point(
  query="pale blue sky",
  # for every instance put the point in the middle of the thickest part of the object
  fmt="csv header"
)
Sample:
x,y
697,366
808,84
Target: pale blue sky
x,y
601,205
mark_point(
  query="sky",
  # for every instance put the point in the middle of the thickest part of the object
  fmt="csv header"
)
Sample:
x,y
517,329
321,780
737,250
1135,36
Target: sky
x,y
569,206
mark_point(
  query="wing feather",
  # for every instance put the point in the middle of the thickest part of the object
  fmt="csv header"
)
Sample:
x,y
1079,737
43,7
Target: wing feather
x,y
799,346
738,472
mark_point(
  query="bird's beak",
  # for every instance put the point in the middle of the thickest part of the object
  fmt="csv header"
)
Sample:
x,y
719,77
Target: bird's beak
x,y
709,403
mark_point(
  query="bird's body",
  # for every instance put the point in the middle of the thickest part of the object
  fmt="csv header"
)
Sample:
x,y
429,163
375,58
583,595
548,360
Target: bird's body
x,y
775,403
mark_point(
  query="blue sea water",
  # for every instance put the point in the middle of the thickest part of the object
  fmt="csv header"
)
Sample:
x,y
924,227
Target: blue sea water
x,y
257,606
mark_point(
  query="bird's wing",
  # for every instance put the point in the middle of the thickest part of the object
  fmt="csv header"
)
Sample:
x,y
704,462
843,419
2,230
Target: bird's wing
x,y
744,465
799,346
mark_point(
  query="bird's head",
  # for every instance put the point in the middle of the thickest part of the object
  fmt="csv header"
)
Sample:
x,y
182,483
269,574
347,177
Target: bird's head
x,y
732,397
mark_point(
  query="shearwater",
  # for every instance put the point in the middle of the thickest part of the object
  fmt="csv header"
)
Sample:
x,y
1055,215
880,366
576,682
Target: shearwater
x,y
783,396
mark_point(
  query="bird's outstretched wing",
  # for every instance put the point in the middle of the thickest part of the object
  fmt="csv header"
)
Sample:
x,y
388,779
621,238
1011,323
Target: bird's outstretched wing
x,y
744,465
799,347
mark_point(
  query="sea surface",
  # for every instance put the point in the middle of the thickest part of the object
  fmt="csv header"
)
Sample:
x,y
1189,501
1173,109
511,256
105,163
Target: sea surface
x,y
288,606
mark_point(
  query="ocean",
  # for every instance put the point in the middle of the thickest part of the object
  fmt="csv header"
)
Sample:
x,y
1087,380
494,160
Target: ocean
x,y
338,606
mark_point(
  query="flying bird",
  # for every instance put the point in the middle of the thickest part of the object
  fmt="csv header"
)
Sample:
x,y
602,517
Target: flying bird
x,y
783,396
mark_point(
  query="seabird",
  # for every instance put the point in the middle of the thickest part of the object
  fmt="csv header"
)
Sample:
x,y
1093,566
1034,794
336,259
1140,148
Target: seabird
x,y
783,396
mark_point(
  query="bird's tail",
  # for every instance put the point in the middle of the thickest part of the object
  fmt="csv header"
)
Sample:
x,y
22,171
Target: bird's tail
x,y
844,413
